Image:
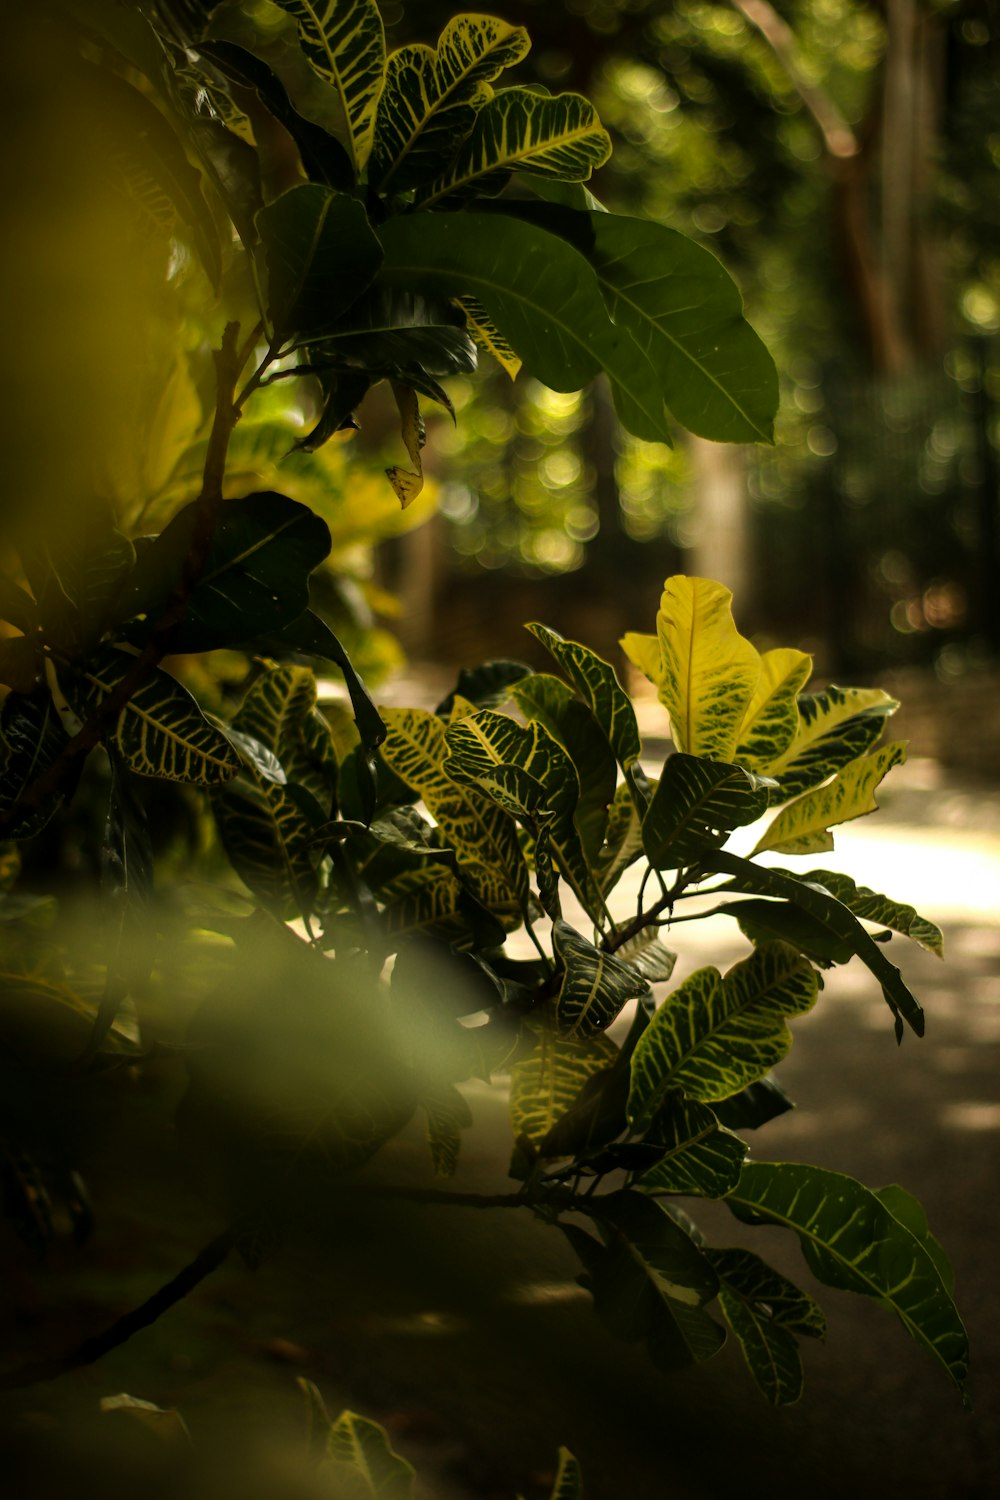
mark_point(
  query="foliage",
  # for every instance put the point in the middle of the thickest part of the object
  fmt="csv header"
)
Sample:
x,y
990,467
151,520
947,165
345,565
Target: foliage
x,y
435,897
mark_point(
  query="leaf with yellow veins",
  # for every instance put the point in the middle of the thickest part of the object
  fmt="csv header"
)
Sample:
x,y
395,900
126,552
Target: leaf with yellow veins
x,y
803,826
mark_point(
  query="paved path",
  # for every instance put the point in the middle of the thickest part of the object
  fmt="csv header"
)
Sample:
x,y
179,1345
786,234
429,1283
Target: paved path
x,y
464,1330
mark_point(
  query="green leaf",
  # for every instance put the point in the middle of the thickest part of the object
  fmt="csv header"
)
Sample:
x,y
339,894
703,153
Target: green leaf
x,y
311,635
546,1081
701,1157
594,986
480,743
32,737
254,572
713,1036
488,337
323,157
161,731
871,907
765,1311
771,721
623,844
654,1281
841,922
766,921
270,844
448,1114
685,314
803,826
485,686
362,1447
596,682
910,1213
537,290
546,135
345,43
852,1241
483,837
321,255
431,97
280,712
553,704
569,1480
649,956
696,805
835,727
709,673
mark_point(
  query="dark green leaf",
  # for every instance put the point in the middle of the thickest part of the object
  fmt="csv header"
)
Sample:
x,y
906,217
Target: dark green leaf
x,y
700,1156
312,636
345,43
321,255
594,986
851,1240
871,907
536,289
765,921
323,157
549,700
487,686
255,562
765,1311
697,803
596,682
842,923
753,1106
32,736
713,1036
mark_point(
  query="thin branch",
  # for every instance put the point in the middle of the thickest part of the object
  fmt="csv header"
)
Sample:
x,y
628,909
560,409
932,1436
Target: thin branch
x,y
838,137
93,1349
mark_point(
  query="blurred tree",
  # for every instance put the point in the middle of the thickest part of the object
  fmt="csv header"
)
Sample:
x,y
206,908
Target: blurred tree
x,y
841,157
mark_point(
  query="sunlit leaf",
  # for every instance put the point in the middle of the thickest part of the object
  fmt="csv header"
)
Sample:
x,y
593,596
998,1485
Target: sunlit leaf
x,y
483,837
835,727
800,827
406,482
709,672
488,337
771,721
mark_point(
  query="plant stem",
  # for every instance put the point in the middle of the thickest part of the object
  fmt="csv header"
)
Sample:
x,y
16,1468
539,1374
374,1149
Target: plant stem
x,y
35,1372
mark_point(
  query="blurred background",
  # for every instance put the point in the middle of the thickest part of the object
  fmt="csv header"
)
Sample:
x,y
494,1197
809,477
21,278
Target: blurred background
x,y
841,157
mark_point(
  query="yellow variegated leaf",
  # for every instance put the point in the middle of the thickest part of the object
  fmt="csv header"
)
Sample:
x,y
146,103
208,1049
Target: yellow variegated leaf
x,y
643,651
406,484
772,717
488,336
345,42
161,731
486,741
710,672
557,136
835,727
802,827
431,97
484,838
427,899
545,1082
